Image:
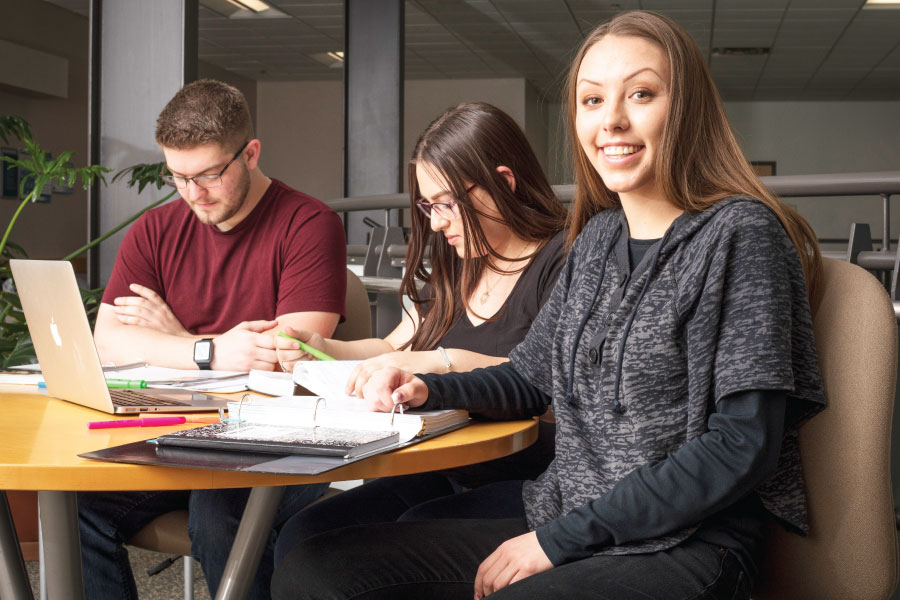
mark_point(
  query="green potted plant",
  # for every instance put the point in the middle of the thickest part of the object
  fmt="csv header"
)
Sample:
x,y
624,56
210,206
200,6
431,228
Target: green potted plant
x,y
39,171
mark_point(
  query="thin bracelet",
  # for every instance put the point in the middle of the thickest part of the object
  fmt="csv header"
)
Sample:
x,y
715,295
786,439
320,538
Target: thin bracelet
x,y
446,358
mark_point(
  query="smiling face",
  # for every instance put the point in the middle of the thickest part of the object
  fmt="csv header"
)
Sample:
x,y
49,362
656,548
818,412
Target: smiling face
x,y
434,188
222,205
622,100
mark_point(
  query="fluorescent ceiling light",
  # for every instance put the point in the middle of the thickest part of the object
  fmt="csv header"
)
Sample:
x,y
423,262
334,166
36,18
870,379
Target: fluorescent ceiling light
x,y
254,5
334,60
254,9
881,4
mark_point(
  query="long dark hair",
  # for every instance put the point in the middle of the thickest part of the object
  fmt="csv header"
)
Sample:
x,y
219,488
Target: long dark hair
x,y
700,161
464,146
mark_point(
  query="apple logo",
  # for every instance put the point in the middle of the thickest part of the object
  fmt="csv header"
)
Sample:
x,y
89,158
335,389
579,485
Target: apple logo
x,y
54,331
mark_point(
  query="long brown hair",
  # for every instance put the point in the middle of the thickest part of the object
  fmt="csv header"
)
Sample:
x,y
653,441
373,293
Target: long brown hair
x,y
700,161
464,146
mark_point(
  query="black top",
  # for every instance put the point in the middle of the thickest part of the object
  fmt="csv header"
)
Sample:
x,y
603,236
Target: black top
x,y
499,337
637,249
745,435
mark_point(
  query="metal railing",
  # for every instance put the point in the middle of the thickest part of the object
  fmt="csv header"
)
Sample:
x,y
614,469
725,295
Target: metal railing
x,y
383,261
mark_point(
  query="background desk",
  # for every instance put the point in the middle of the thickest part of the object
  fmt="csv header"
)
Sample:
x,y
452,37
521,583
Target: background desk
x,y
40,438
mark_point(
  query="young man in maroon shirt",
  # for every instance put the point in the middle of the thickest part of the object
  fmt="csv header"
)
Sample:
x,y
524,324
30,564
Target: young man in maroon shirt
x,y
240,258
206,282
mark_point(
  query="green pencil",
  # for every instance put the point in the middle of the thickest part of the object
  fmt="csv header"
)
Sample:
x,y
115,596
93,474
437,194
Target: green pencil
x,y
306,347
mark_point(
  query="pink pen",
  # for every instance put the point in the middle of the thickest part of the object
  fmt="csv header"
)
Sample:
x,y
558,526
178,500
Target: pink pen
x,y
150,422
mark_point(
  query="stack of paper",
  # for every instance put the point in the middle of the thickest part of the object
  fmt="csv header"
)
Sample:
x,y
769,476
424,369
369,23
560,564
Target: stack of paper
x,y
183,379
156,377
20,377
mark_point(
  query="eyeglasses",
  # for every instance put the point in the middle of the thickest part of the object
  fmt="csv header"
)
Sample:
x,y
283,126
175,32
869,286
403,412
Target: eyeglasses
x,y
204,181
445,210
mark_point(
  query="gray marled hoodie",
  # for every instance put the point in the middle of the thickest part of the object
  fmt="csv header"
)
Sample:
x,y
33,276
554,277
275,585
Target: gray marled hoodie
x,y
635,364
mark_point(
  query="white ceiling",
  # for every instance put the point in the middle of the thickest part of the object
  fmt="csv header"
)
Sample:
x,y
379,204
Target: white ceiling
x,y
818,49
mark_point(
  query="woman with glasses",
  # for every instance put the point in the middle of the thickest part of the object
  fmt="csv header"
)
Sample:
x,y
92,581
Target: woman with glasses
x,y
484,207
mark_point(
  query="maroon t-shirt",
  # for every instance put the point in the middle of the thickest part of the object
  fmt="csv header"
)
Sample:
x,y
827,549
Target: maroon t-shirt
x,y
289,255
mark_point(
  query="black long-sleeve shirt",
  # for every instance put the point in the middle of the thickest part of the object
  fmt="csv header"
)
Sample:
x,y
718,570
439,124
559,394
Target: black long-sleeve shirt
x,y
711,477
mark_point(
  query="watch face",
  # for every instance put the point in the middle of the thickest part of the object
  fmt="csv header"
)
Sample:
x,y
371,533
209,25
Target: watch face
x,y
202,350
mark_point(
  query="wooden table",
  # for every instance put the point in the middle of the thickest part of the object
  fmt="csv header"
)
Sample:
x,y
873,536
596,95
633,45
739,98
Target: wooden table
x,y
40,438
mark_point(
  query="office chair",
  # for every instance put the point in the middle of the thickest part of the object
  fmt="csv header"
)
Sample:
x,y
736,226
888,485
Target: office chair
x,y
851,550
168,533
358,324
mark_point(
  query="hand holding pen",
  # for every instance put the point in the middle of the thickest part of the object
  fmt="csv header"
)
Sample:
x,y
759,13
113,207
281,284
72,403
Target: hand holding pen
x,y
293,349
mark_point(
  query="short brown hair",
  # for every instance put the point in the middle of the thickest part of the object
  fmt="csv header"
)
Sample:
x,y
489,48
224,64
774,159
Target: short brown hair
x,y
203,112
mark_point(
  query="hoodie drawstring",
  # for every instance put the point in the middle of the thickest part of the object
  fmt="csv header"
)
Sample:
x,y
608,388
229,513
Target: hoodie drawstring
x,y
570,394
619,408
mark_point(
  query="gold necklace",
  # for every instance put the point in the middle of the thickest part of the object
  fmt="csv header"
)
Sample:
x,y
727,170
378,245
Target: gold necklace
x,y
487,293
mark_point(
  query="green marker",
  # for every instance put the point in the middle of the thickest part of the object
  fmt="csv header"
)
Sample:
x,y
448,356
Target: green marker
x,y
306,347
126,384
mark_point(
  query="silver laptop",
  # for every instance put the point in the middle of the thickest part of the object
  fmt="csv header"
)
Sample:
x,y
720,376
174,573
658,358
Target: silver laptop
x,y
65,347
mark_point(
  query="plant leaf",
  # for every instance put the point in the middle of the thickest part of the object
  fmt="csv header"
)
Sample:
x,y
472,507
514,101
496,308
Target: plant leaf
x,y
22,353
12,299
13,126
143,174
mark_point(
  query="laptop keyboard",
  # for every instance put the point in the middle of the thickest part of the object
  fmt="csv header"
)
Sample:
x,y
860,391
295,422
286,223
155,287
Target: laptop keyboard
x,y
135,398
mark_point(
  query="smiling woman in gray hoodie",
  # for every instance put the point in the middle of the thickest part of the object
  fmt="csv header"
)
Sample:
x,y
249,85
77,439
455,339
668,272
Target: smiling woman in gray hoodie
x,y
676,350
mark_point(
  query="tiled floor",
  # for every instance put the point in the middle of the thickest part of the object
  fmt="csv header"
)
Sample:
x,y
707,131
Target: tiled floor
x,y
167,585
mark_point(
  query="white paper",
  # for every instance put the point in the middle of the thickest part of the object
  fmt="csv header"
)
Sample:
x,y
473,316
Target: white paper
x,y
343,411
325,378
24,378
184,379
301,411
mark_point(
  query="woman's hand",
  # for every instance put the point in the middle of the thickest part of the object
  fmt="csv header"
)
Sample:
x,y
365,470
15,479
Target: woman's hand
x,y
413,362
389,386
288,351
514,559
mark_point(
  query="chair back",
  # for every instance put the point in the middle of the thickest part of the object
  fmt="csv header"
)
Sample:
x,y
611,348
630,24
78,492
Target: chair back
x,y
358,322
851,550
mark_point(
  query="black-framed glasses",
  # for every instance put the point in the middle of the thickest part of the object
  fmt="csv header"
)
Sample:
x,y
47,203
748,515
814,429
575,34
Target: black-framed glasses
x,y
446,210
204,181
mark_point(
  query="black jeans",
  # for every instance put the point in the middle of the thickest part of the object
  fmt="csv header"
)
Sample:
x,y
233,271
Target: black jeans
x,y
109,519
437,560
419,497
